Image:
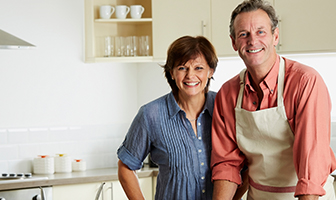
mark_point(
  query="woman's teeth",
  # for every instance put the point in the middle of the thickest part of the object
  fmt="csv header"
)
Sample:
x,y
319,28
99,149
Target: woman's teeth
x,y
254,51
192,84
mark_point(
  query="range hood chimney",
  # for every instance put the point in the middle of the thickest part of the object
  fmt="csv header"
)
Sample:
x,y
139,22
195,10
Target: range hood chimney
x,y
8,41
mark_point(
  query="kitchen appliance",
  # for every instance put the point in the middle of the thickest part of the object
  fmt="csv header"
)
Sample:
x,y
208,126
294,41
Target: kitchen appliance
x,y
41,193
31,193
17,177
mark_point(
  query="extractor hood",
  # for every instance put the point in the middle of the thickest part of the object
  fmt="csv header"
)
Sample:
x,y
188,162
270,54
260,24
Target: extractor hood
x,y
8,41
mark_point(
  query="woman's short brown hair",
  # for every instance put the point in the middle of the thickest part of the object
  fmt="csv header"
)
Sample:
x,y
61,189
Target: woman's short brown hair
x,y
188,48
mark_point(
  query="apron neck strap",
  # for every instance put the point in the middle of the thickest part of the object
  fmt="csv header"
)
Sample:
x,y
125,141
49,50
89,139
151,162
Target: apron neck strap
x,y
281,78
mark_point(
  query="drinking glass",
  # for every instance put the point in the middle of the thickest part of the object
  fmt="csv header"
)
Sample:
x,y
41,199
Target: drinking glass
x,y
144,45
108,46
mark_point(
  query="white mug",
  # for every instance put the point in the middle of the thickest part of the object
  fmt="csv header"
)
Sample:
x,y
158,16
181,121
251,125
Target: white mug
x,y
122,11
136,11
106,11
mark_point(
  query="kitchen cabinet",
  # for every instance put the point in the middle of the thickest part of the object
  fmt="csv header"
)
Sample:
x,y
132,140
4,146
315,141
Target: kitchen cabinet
x,y
220,35
110,191
97,29
154,181
117,193
302,26
305,25
86,191
175,18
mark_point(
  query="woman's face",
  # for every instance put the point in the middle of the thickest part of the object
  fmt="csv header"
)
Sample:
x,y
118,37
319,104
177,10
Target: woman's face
x,y
192,77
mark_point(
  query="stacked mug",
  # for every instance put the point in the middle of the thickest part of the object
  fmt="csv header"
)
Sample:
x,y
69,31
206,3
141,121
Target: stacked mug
x,y
121,11
44,164
62,163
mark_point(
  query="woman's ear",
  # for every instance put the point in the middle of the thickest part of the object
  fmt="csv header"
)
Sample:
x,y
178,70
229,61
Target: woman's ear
x,y
211,73
171,74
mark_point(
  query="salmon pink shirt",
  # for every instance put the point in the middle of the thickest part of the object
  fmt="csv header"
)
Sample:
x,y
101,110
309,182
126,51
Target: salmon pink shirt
x,y
308,107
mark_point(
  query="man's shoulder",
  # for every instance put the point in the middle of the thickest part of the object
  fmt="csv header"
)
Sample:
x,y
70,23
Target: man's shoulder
x,y
299,69
232,83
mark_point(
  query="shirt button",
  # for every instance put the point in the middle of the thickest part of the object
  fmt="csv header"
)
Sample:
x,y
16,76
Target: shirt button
x,y
199,124
202,163
199,138
202,177
200,150
203,191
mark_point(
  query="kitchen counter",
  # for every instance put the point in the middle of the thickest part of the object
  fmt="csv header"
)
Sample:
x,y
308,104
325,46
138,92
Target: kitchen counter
x,y
88,176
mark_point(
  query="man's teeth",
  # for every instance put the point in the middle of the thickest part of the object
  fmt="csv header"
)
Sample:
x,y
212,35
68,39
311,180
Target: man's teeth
x,y
254,51
192,84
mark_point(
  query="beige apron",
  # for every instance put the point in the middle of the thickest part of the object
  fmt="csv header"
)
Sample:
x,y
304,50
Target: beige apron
x,y
266,139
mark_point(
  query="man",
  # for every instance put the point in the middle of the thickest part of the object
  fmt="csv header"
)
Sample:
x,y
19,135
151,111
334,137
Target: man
x,y
274,117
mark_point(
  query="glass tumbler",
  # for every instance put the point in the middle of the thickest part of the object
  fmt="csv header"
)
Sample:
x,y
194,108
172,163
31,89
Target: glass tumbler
x,y
108,46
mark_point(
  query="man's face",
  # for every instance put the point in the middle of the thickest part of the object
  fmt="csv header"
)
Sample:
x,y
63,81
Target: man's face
x,y
254,40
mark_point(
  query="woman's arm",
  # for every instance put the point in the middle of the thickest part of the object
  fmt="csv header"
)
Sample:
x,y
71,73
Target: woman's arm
x,y
129,181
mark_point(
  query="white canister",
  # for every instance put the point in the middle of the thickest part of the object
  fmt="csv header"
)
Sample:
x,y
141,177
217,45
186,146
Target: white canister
x,y
62,163
78,165
43,165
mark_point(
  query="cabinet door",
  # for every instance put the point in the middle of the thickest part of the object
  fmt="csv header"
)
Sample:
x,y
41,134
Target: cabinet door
x,y
175,18
86,191
119,194
220,21
306,25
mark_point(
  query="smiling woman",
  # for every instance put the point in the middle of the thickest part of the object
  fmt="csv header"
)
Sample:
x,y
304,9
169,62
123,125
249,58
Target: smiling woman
x,y
175,128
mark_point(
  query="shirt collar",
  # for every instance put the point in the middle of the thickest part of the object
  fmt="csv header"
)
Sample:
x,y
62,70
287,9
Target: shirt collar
x,y
269,81
174,108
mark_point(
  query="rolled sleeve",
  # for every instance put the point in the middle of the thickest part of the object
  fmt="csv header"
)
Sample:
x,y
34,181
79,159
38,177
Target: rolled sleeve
x,y
128,159
226,158
313,157
136,145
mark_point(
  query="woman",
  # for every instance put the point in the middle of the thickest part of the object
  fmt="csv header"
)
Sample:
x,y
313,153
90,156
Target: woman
x,y
175,128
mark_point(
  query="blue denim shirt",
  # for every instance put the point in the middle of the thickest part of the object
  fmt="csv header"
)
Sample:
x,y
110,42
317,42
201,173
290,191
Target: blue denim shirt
x,y
162,129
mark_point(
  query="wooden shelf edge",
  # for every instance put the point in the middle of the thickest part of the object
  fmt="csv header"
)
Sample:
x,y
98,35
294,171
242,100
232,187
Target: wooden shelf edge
x,y
124,20
138,59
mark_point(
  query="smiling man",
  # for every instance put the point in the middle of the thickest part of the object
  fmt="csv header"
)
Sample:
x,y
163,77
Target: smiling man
x,y
273,117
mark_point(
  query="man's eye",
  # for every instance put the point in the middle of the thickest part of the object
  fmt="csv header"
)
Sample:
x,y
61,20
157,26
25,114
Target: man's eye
x,y
261,32
242,35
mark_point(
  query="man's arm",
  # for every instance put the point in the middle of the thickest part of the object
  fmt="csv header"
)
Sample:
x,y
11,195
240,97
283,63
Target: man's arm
x,y
308,197
224,190
129,181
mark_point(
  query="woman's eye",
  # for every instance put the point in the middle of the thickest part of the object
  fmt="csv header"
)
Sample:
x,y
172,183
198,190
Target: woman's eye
x,y
181,68
199,68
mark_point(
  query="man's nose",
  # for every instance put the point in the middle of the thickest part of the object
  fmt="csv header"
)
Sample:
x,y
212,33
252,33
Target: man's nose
x,y
252,39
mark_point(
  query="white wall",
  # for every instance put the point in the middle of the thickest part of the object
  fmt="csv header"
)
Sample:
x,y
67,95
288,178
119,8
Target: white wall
x,y
52,102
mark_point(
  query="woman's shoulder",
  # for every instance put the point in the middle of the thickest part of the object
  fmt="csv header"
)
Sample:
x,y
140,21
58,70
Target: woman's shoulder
x,y
155,107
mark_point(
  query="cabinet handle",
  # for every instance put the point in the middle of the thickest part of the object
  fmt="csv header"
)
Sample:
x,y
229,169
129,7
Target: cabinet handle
x,y
43,197
280,34
99,191
203,24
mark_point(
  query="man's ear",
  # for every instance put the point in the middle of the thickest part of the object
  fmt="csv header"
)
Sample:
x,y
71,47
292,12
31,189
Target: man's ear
x,y
233,41
276,36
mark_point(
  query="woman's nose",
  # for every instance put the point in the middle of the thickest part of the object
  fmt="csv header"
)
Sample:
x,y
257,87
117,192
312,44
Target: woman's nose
x,y
190,72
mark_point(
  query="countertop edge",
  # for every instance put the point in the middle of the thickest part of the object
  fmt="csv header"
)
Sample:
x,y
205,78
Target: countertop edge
x,y
89,176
